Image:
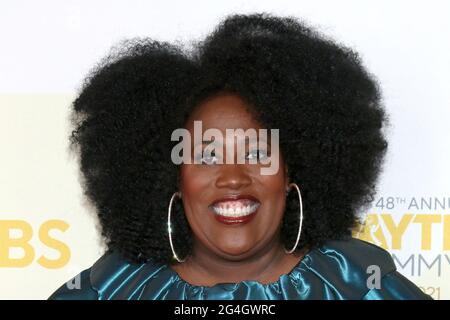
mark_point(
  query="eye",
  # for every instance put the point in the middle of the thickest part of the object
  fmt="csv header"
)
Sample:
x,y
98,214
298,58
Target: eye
x,y
208,159
257,154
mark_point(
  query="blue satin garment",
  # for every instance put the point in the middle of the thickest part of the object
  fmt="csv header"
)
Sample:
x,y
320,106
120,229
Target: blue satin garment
x,y
335,271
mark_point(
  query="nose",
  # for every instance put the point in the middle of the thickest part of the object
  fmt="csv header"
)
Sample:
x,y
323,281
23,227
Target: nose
x,y
233,176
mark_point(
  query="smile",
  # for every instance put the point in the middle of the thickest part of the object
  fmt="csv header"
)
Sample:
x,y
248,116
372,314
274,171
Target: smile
x,y
235,209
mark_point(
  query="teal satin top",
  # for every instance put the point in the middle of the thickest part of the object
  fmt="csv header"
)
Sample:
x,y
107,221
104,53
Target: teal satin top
x,y
337,270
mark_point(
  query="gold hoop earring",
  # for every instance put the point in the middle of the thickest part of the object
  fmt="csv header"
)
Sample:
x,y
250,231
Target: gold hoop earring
x,y
301,217
169,227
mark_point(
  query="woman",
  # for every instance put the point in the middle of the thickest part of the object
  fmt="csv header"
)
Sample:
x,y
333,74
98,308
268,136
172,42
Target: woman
x,y
206,228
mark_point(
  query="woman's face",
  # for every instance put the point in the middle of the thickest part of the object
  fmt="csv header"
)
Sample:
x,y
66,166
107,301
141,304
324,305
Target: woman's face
x,y
233,210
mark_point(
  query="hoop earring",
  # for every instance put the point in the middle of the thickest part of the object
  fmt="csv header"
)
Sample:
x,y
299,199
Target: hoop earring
x,y
301,217
169,227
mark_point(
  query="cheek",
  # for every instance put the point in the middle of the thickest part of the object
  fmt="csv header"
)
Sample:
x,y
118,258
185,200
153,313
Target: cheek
x,y
193,180
274,184
273,188
194,186
273,191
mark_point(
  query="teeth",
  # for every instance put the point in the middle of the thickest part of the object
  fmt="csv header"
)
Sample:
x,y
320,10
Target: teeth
x,y
236,211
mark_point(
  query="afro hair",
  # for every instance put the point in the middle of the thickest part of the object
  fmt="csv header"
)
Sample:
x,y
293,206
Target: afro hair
x,y
315,91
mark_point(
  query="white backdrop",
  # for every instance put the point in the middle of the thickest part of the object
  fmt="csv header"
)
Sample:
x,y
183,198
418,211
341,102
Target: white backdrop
x,y
47,232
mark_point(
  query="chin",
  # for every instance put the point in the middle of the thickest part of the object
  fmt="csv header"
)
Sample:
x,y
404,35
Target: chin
x,y
234,252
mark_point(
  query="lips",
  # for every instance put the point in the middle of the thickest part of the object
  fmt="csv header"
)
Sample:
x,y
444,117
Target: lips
x,y
235,209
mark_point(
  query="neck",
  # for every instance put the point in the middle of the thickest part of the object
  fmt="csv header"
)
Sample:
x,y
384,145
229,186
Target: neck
x,y
204,267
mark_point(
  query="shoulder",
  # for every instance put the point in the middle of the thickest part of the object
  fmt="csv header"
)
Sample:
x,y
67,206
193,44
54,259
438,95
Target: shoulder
x,y
356,253
83,285
110,277
356,269
78,288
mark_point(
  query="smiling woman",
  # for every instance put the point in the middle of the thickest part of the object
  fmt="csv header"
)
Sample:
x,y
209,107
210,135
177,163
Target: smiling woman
x,y
212,229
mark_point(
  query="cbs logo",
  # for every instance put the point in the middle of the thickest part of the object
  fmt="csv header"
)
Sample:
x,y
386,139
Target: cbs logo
x,y
23,242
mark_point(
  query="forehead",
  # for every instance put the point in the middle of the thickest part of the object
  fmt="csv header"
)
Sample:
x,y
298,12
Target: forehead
x,y
225,111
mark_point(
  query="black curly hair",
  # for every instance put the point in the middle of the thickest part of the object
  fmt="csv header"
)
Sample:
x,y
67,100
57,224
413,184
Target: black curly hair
x,y
327,107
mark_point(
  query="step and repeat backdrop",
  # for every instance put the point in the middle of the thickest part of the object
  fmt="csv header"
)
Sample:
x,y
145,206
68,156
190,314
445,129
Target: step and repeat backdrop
x,y
48,231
